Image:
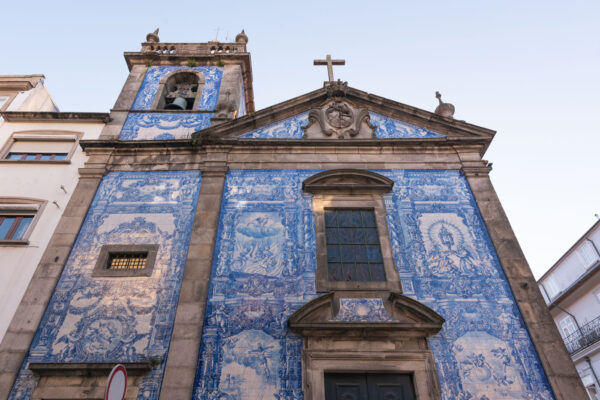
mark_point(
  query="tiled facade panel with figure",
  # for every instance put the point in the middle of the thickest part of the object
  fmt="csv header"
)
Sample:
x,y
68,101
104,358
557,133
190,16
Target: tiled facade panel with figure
x,y
264,269
446,260
112,320
163,126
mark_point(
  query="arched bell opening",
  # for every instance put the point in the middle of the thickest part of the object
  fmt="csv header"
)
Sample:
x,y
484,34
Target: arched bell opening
x,y
180,91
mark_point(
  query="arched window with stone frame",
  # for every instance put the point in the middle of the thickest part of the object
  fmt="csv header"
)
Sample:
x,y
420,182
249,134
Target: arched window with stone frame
x,y
180,90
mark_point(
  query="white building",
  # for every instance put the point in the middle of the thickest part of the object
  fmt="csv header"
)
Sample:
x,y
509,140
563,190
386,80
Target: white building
x,y
39,161
571,289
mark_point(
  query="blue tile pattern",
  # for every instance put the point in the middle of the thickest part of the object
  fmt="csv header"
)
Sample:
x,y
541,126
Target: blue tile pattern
x,y
362,310
120,319
442,252
386,128
390,128
263,270
210,91
163,126
447,261
289,128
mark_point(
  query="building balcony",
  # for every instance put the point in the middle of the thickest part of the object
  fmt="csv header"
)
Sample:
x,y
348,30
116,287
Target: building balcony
x,y
584,337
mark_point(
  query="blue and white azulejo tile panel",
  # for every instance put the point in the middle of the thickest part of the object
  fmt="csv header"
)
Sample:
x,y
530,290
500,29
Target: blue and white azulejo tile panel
x,y
289,128
210,91
390,128
263,270
163,126
447,261
112,320
443,254
362,310
386,128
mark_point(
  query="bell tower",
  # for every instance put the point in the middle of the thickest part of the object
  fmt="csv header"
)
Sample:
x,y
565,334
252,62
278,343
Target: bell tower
x,y
175,89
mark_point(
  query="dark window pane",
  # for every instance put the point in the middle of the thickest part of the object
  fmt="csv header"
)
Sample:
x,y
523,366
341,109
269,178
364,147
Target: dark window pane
x,y
349,218
330,219
377,273
5,225
60,157
368,218
347,253
335,272
20,232
30,156
332,235
362,272
350,235
14,156
371,236
374,254
46,156
333,253
361,254
349,272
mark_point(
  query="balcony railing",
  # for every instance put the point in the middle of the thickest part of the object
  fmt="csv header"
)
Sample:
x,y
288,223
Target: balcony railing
x,y
584,337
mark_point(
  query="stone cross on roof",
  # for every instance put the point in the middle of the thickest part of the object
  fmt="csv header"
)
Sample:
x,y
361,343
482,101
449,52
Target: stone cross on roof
x,y
330,63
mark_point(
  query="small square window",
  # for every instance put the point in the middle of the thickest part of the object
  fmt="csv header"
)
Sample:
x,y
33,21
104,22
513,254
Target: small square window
x,y
120,261
125,261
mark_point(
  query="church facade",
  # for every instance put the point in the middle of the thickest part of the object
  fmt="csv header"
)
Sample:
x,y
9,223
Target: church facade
x,y
338,245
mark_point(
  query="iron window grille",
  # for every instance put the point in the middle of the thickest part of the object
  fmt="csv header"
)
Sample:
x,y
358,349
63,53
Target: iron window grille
x,y
353,248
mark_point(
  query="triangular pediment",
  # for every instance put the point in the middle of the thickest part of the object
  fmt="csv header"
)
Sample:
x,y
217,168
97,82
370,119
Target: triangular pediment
x,y
355,311
351,115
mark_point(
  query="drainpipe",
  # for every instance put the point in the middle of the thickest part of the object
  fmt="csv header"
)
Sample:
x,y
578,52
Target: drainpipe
x,y
594,246
562,309
587,359
572,316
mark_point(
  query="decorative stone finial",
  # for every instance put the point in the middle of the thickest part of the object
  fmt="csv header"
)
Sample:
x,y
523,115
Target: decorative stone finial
x,y
336,88
153,37
241,37
444,109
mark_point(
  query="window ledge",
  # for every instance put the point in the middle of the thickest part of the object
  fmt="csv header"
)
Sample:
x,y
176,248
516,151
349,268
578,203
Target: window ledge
x,y
16,243
87,369
36,161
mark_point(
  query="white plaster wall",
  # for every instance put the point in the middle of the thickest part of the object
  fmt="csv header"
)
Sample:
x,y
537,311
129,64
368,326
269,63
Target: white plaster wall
x,y
38,181
36,99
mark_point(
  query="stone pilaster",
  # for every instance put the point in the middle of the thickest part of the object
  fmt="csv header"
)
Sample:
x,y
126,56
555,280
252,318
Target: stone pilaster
x,y
119,113
553,354
24,324
178,381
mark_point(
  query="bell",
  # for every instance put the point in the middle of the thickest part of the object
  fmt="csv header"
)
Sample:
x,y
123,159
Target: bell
x,y
178,104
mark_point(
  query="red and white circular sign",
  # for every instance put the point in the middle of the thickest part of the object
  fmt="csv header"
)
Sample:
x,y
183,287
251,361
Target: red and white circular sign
x,y
116,385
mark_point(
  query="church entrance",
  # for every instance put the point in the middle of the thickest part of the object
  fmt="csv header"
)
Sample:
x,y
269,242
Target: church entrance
x,y
365,386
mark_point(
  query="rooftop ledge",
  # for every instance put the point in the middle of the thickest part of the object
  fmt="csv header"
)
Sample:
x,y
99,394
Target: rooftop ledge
x,y
87,369
52,116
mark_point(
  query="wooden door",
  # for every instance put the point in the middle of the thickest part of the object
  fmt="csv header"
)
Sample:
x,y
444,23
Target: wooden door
x,y
368,386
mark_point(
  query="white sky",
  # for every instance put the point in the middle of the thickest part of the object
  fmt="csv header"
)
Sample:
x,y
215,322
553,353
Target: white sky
x,y
528,70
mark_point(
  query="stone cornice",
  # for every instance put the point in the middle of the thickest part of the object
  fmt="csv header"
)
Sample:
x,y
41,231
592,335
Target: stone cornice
x,y
51,116
211,141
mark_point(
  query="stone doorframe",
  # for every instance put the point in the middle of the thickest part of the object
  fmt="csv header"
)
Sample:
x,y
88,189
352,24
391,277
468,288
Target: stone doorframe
x,y
389,335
